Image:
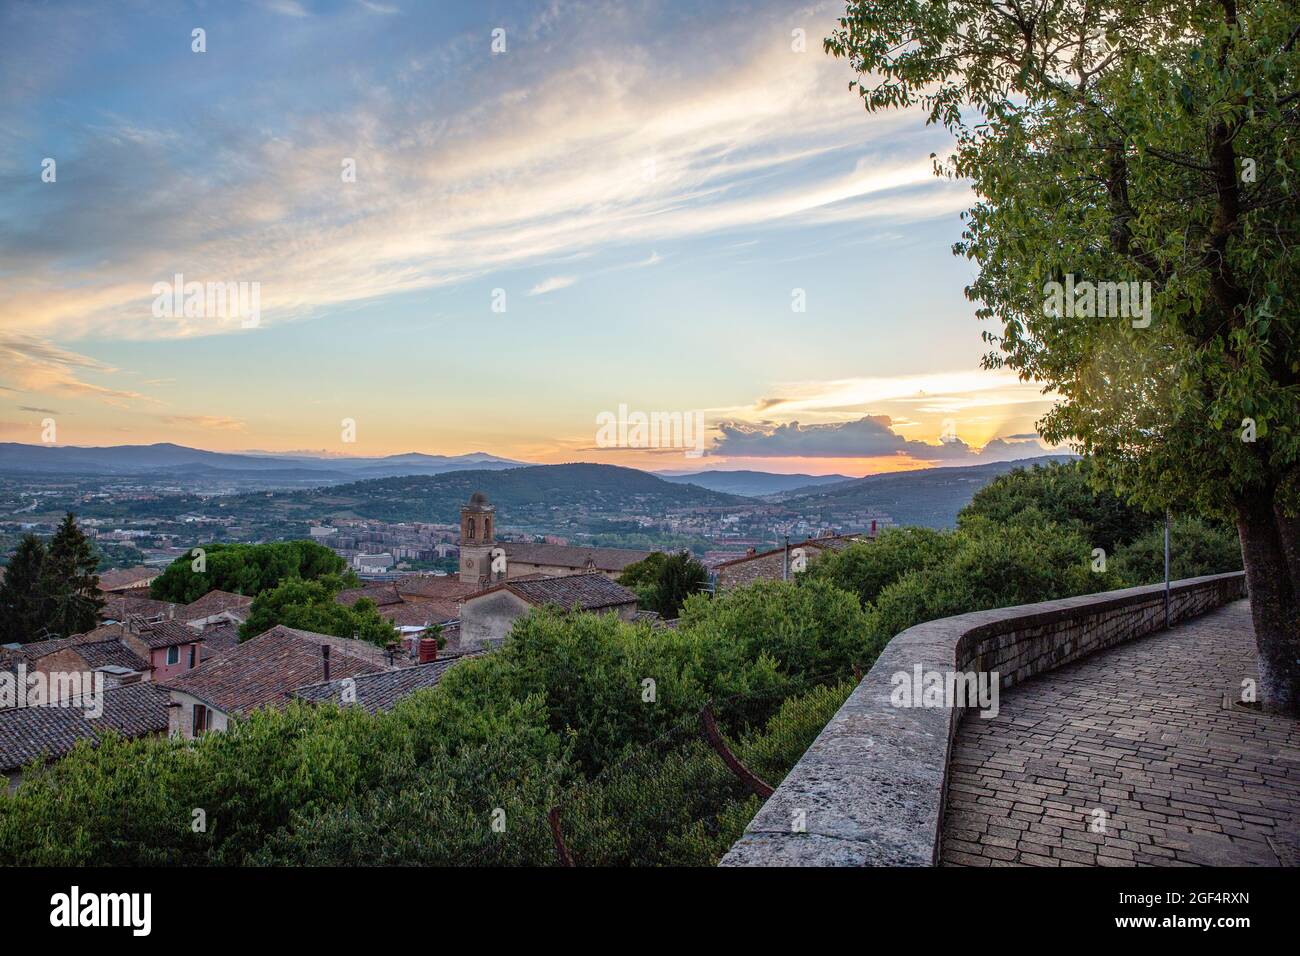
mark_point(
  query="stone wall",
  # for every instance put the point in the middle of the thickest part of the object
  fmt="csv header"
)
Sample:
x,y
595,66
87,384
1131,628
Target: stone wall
x,y
870,790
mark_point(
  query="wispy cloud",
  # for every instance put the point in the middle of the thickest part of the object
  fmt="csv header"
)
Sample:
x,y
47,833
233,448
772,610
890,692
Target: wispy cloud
x,y
204,421
580,159
36,365
552,284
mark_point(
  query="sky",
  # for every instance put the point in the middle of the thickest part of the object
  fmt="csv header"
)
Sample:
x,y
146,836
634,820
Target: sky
x,y
481,227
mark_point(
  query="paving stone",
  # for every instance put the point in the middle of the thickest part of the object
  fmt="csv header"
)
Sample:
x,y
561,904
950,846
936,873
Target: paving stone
x,y
1140,732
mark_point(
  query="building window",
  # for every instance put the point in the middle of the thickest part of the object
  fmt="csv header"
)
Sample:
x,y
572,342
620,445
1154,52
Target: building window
x,y
173,654
470,530
194,648
202,720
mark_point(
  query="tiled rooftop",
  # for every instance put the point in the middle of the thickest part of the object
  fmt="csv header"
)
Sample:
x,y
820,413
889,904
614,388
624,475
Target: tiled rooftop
x,y
31,732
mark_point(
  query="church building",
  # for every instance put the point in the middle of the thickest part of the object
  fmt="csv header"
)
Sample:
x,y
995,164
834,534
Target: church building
x,y
485,561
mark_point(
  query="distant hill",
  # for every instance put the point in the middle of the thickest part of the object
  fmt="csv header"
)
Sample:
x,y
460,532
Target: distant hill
x,y
535,494
930,497
169,460
750,483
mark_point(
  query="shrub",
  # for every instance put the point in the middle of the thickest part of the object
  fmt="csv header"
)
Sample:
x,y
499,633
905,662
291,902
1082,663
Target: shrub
x,y
1196,547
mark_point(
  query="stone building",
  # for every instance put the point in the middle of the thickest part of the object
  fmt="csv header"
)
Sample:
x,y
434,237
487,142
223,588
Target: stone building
x,y
486,617
771,565
485,561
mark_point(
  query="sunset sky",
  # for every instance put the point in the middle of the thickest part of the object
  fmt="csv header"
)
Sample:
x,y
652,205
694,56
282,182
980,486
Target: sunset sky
x,y
650,188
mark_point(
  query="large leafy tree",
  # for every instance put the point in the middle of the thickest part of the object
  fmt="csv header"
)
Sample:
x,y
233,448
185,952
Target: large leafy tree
x,y
663,582
1146,141
310,606
69,584
22,610
246,569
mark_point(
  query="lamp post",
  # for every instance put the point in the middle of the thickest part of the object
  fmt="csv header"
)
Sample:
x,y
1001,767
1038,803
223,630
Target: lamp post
x,y
1167,522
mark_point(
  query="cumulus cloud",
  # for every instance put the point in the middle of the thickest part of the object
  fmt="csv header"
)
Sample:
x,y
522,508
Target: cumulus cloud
x,y
868,437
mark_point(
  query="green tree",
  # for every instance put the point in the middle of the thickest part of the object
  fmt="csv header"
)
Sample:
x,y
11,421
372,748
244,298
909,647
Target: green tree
x,y
1152,143
245,569
23,613
663,582
310,606
991,566
1060,494
1196,547
69,585
865,568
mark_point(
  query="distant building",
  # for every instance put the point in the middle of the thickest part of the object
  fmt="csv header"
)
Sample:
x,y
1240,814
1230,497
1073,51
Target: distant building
x,y
263,672
127,579
170,647
485,561
486,617
772,565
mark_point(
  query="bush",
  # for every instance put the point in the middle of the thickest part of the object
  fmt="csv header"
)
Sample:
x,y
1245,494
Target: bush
x,y
865,568
991,566
1060,494
1196,547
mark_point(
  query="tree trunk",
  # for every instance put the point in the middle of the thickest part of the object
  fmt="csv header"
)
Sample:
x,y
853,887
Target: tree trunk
x,y
1266,539
1289,530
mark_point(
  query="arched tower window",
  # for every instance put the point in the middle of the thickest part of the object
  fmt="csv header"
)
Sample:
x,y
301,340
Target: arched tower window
x,y
469,529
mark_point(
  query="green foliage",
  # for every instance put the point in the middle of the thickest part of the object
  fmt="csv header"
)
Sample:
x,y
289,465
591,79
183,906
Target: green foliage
x,y
22,612
52,590
1196,547
69,586
664,581
246,569
865,568
558,716
1062,494
991,566
310,606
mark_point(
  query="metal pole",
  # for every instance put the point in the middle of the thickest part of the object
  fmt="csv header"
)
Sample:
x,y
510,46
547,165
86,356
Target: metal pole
x,y
785,568
1166,569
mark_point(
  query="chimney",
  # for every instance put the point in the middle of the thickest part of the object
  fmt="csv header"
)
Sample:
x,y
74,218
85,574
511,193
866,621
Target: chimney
x,y
325,659
873,527
428,649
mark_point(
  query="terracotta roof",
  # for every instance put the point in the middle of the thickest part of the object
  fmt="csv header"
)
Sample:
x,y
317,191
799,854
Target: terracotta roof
x,y
31,732
118,607
569,556
831,542
420,613
166,634
122,578
214,602
218,640
112,653
101,647
261,672
435,586
582,592
379,692
383,594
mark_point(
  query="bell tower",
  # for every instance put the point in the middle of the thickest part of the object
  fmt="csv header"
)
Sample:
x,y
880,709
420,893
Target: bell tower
x,y
477,537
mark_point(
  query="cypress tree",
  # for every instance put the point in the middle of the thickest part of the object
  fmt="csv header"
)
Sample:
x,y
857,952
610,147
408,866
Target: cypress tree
x,y
69,583
21,612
